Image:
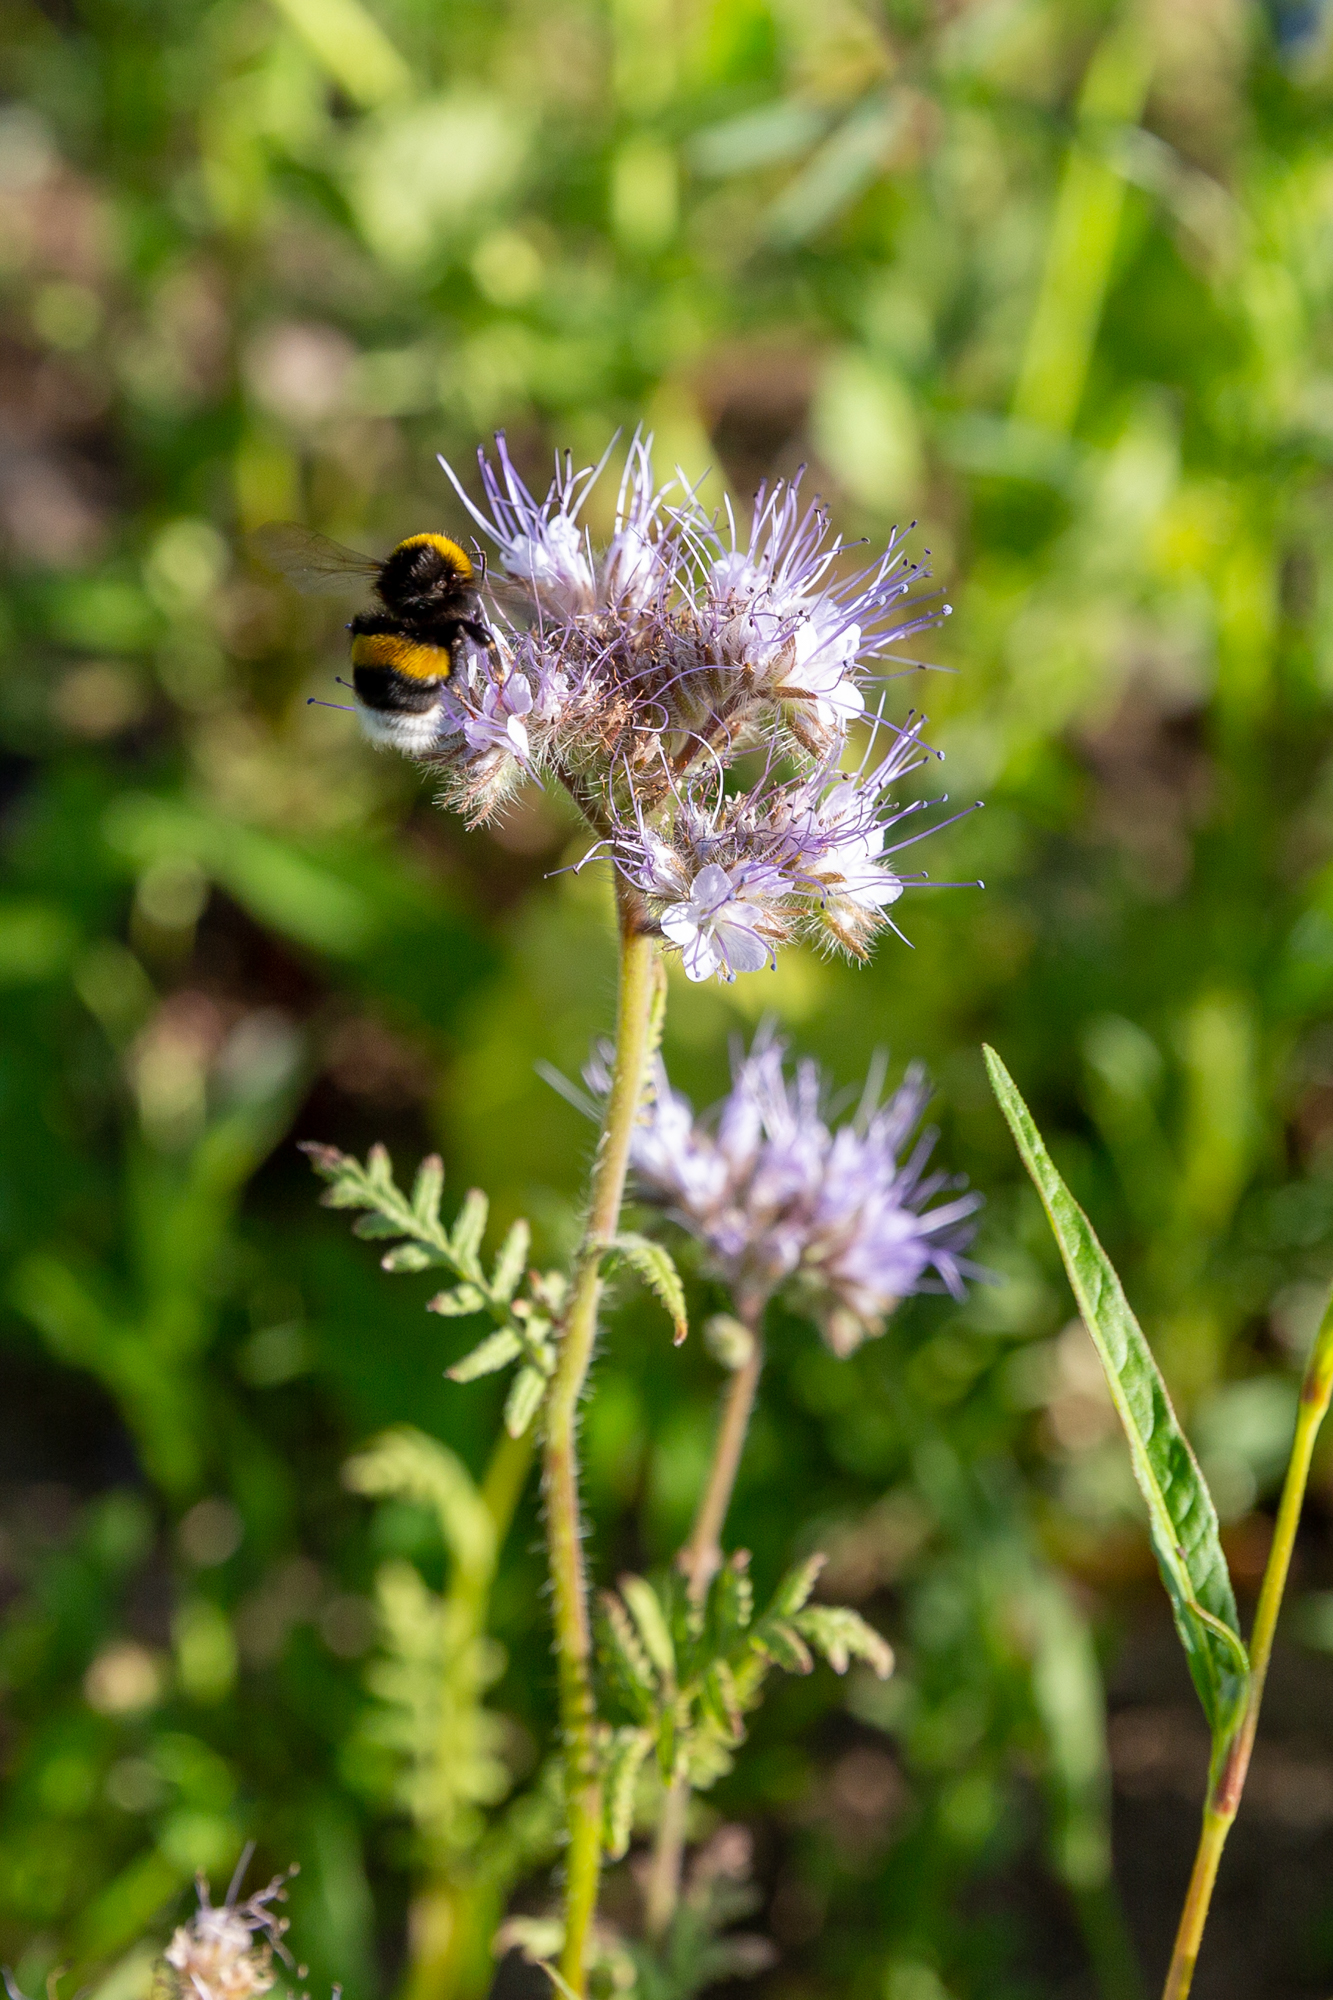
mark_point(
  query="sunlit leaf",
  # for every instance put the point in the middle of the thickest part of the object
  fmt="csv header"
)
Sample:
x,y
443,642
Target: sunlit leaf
x,y
620,1775
524,1400
645,1608
843,1636
509,1263
491,1354
469,1228
1181,1517
656,1267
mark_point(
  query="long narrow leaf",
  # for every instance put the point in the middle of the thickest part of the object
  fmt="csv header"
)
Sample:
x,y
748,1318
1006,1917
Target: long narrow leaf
x,y
1181,1517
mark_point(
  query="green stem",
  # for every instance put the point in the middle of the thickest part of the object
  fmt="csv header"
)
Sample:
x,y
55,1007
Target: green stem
x,y
1225,1792
560,1480
700,1560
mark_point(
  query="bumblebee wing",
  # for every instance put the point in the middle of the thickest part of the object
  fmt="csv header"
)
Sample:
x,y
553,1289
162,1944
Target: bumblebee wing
x,y
312,562
517,601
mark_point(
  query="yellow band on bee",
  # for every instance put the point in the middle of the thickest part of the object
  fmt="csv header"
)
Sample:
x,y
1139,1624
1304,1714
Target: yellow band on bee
x,y
407,656
458,559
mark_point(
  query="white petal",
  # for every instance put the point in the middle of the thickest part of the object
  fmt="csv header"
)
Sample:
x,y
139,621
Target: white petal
x,y
745,951
664,874
712,888
700,957
680,923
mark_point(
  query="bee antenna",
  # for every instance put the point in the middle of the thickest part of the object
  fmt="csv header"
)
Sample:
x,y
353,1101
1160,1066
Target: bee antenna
x,y
344,684
343,707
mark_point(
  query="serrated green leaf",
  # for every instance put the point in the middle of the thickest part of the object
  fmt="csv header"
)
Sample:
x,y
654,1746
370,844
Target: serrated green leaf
x,y
510,1262
406,1463
408,1257
795,1588
722,1700
706,1757
524,1400
379,1169
624,1652
426,1192
645,1608
373,1226
654,1265
550,1288
469,1228
784,1646
620,1775
347,1193
488,1357
1182,1520
732,1598
458,1302
843,1636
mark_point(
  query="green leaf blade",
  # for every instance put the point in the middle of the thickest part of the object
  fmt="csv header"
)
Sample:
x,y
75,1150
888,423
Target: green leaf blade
x,y
492,1354
469,1228
524,1400
655,1266
624,1761
1182,1520
645,1608
510,1262
426,1192
843,1636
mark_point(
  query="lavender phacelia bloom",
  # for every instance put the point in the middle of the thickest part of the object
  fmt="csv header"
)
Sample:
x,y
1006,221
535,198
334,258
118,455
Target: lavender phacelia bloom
x,y
730,876
636,675
840,1217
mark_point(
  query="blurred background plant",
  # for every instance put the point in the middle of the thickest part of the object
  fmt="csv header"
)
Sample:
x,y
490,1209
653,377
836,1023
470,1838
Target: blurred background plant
x,y
1055,280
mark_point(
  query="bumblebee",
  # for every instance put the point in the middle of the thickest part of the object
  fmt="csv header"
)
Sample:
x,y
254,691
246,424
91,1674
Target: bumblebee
x,y
429,592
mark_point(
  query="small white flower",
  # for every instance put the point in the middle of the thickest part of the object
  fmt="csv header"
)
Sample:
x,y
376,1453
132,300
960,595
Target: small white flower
x,y
554,563
850,842
824,666
661,871
716,930
501,723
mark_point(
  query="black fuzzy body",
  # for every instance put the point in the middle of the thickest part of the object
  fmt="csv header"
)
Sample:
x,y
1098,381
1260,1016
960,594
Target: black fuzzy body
x,y
428,588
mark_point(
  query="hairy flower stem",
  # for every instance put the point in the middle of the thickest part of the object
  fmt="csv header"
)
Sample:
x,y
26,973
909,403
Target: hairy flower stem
x,y
699,1560
1229,1777
639,975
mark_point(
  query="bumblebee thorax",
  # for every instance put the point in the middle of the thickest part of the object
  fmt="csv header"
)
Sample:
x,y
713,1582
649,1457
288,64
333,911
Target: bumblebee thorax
x,y
425,567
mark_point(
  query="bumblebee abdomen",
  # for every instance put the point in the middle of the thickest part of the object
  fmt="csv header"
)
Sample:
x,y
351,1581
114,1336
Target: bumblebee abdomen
x,y
415,658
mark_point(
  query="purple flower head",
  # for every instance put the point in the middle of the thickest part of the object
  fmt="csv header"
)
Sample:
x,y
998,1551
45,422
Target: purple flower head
x,y
842,1219
543,547
635,674
812,856
778,610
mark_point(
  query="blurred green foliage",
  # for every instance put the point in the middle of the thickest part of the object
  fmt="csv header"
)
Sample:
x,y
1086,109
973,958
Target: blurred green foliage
x,y
1054,279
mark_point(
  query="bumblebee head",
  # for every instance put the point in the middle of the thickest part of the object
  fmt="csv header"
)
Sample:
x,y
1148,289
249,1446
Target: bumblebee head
x,y
424,569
